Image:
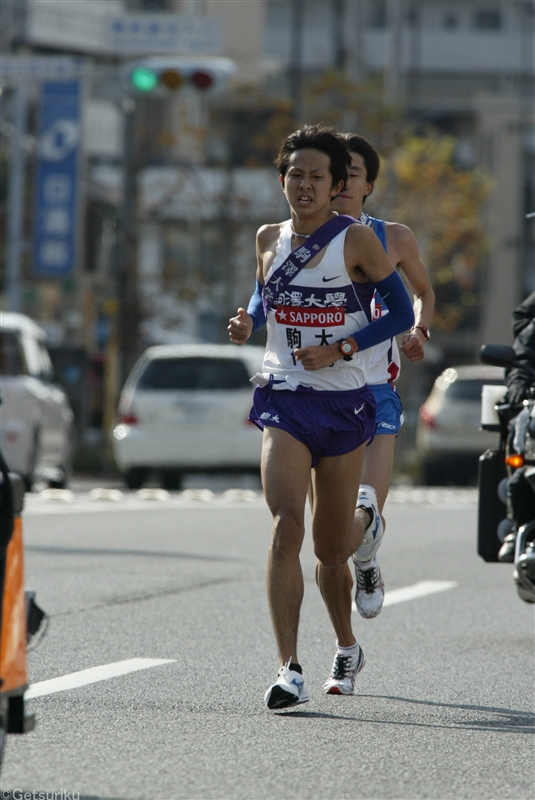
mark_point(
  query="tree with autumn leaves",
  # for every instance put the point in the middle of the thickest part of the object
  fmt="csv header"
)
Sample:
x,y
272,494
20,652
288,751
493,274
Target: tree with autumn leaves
x,y
421,185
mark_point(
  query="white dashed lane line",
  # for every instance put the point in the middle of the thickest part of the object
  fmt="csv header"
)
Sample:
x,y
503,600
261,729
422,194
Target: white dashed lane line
x,y
420,589
94,675
84,677
415,591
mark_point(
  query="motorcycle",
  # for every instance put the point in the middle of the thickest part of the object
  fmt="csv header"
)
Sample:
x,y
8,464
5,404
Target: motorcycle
x,y
515,424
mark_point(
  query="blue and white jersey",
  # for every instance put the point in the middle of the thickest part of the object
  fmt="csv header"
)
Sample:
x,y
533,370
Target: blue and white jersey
x,y
385,361
320,306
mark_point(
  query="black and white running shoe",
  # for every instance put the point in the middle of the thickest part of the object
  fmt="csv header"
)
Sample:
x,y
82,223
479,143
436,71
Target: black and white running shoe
x,y
289,689
374,533
344,671
370,591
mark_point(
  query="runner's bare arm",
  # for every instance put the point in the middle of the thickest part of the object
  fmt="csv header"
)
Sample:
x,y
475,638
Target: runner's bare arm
x,y
365,256
242,325
407,253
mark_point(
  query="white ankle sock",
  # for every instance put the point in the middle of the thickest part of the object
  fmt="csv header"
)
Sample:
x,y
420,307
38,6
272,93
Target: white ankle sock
x,y
347,651
366,564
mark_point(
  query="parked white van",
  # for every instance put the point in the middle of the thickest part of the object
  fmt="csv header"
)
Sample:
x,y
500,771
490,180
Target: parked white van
x,y
184,408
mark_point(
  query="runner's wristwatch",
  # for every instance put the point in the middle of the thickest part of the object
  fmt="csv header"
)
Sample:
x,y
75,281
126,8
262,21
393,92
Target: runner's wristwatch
x,y
424,330
347,348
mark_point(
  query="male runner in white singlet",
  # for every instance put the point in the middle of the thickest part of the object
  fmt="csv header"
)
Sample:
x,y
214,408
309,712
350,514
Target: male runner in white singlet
x,y
312,401
402,251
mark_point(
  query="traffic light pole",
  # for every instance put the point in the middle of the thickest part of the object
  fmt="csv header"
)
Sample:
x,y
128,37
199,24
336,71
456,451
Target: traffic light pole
x,y
127,284
296,65
16,200
122,346
146,75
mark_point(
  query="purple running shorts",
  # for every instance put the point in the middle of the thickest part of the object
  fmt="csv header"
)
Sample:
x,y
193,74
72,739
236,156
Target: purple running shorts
x,y
328,423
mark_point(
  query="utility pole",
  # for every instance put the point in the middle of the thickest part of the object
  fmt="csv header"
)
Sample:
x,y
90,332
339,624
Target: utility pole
x,y
413,81
296,58
122,346
392,87
16,198
339,48
127,288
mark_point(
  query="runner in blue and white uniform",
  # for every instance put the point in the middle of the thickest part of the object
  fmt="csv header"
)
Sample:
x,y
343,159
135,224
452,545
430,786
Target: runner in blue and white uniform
x,y
315,291
402,251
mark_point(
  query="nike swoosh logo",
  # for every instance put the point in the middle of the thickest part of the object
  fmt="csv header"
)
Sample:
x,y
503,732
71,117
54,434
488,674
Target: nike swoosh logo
x,y
326,280
360,409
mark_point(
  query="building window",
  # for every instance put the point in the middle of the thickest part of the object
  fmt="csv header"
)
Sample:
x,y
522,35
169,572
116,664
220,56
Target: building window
x,y
450,21
153,6
487,20
378,14
412,16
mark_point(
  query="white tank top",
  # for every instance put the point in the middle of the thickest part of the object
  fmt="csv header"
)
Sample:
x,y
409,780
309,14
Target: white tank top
x,y
320,306
385,361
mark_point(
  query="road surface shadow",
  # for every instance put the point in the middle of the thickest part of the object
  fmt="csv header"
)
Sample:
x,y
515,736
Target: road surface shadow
x,y
504,720
101,551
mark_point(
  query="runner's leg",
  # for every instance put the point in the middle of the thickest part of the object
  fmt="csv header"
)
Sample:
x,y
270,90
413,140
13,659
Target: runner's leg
x,y
336,485
377,466
286,465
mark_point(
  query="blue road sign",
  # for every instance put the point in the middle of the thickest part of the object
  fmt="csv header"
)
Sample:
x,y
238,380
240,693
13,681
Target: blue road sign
x,y
19,69
182,34
57,180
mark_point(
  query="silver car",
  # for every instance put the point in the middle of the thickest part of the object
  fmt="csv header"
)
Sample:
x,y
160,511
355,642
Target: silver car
x,y
449,439
35,414
183,409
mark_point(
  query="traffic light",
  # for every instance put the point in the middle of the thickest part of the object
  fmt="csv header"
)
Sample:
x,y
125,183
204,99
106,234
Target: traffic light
x,y
170,74
144,79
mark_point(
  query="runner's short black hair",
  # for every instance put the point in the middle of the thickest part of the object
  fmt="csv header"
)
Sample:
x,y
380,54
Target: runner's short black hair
x,y
317,137
356,143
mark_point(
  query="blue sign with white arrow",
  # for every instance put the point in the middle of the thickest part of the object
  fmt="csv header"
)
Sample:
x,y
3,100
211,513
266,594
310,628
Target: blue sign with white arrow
x,y
57,180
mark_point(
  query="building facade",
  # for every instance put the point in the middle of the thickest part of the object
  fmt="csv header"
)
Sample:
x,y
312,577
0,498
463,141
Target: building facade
x,y
466,68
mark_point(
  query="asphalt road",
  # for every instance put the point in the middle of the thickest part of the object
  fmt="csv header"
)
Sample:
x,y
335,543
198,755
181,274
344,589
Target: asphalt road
x,y
444,706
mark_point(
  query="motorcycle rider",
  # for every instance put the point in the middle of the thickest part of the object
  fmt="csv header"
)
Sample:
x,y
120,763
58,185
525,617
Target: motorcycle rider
x,y
519,379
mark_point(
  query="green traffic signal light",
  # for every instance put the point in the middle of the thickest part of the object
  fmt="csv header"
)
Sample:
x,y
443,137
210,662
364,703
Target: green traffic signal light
x,y
144,79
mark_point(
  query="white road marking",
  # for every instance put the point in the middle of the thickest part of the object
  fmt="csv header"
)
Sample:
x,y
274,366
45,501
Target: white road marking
x,y
103,673
34,508
420,589
416,590
65,502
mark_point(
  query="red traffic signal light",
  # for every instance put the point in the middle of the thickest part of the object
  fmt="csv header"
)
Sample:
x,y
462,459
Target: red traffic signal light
x,y
202,79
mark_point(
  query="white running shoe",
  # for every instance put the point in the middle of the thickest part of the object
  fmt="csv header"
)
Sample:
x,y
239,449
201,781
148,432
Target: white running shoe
x,y
343,673
288,690
374,532
370,592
